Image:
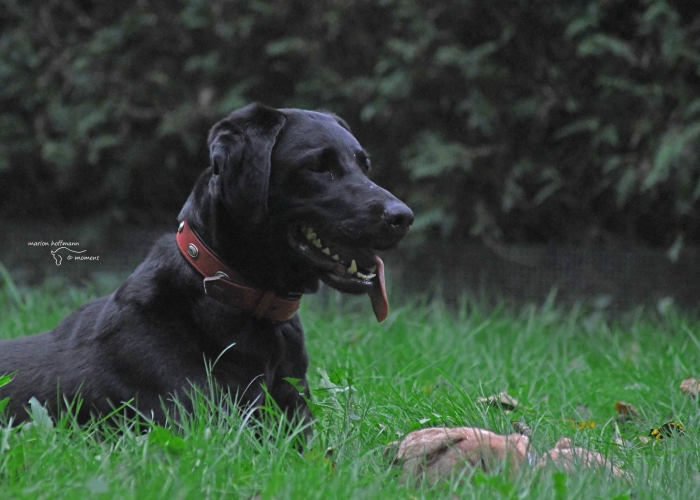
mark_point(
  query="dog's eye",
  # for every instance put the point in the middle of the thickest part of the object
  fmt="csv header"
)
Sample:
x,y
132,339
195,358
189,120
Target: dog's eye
x,y
363,161
325,161
319,165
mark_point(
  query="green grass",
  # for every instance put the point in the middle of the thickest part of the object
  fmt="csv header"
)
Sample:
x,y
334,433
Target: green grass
x,y
372,383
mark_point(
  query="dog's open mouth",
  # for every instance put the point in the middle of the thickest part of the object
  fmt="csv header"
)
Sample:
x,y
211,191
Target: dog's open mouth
x,y
346,269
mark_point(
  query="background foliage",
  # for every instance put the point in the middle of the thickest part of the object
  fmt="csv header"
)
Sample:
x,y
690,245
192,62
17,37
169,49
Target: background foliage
x,y
513,121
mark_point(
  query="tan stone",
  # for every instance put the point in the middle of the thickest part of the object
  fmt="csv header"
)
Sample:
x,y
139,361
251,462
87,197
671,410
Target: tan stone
x,y
440,451
571,458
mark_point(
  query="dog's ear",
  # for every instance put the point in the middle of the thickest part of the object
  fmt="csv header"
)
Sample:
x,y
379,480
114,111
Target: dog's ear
x,y
338,119
342,122
240,148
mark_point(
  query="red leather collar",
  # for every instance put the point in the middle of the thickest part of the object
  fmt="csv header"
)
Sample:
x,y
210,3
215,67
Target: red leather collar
x,y
223,283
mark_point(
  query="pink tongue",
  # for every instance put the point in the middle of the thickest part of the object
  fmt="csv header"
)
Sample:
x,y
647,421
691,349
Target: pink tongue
x,y
377,293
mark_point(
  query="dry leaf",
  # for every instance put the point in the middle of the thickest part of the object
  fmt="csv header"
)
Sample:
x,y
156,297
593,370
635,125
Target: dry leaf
x,y
669,429
690,387
501,400
625,412
583,412
521,428
623,408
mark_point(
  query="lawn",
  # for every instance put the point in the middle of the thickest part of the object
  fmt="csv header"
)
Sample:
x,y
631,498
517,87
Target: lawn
x,y
426,365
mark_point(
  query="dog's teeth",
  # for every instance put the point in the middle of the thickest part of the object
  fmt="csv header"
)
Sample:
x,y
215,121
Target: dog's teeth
x,y
317,243
373,270
365,276
310,235
336,257
353,267
326,250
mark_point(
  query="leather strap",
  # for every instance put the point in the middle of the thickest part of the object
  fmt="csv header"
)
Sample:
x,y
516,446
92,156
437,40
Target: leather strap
x,y
223,283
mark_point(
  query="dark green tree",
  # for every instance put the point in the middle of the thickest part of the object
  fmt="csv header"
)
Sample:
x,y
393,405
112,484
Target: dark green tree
x,y
513,121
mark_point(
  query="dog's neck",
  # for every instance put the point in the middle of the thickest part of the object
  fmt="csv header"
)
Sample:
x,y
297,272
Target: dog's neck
x,y
258,253
222,283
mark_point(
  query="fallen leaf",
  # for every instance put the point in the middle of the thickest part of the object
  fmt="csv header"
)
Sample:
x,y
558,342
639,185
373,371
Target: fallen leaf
x,y
669,429
583,412
625,412
501,400
522,428
626,409
690,387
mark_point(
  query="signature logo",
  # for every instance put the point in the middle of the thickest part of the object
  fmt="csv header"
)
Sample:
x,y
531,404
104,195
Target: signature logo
x,y
62,245
57,257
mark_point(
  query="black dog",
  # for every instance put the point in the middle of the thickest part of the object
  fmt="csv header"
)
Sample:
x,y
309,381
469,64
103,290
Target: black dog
x,y
285,202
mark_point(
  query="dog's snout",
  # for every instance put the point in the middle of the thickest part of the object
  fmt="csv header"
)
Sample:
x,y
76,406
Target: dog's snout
x,y
398,215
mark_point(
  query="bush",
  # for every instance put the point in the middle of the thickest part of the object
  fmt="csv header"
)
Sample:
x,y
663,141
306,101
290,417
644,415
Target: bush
x,y
571,122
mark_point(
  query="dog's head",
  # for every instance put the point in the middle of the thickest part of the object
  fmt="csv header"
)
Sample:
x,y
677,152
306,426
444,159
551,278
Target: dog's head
x,y
298,179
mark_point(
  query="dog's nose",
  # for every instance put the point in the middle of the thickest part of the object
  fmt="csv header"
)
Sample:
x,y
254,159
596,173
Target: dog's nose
x,y
398,215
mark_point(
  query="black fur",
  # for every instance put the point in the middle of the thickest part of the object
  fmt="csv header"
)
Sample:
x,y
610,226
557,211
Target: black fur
x,y
154,336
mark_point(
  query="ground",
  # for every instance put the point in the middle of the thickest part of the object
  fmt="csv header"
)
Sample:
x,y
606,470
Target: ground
x,y
372,383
